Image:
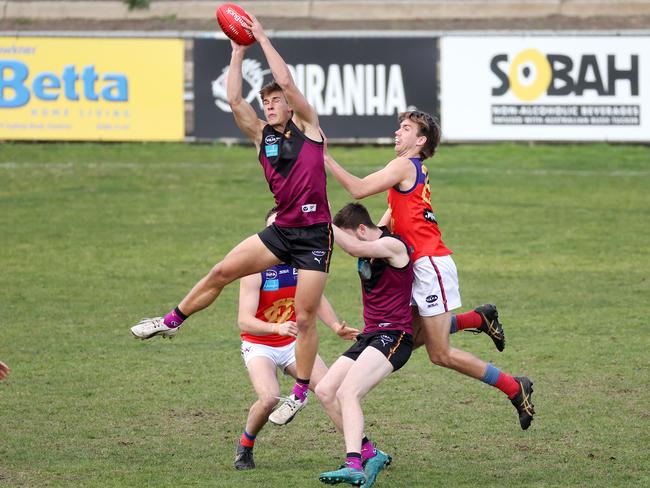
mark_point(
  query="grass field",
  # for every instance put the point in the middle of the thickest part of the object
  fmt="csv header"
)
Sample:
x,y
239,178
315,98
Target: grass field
x,y
95,237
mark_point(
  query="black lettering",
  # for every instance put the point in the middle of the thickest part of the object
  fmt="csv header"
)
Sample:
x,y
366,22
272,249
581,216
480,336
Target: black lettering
x,y
560,66
614,74
503,77
589,61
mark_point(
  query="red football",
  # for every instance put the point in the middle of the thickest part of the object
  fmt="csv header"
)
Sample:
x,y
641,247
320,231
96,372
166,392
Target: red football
x,y
230,20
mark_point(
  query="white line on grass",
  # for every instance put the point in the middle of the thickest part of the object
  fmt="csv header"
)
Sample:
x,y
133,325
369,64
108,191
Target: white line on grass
x,y
456,169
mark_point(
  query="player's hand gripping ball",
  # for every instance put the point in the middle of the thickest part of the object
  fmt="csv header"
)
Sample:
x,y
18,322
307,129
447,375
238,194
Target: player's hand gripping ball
x,y
230,18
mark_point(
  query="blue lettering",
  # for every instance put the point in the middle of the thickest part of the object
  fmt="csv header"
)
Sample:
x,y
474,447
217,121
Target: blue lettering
x,y
43,83
15,90
118,91
89,78
15,83
70,78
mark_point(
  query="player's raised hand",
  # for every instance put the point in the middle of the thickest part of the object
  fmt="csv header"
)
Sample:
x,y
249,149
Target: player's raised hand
x,y
346,332
255,27
236,48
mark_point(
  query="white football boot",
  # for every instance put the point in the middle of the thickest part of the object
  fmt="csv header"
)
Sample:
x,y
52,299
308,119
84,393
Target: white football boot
x,y
147,328
288,410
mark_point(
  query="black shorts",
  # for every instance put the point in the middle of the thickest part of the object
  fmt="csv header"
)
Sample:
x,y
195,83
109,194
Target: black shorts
x,y
301,247
396,345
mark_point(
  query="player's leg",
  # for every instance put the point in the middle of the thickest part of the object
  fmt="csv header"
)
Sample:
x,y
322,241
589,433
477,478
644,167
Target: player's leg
x,y
484,318
437,277
309,290
248,257
262,374
326,389
363,375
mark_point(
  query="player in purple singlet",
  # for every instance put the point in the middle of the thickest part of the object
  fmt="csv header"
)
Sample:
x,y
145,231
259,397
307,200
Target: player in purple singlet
x,y
386,274
290,150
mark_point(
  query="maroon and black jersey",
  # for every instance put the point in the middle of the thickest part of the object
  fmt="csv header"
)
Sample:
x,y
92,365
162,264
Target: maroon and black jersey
x,y
386,293
295,170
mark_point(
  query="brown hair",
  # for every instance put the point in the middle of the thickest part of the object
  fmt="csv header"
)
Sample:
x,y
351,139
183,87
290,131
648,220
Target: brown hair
x,y
352,215
269,88
428,126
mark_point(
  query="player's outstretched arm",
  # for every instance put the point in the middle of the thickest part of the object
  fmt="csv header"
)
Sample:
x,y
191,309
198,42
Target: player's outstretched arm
x,y
379,181
245,115
281,74
249,299
388,248
327,314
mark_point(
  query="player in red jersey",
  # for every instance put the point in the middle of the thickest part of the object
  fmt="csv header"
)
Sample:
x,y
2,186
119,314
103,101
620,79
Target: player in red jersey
x,y
290,150
267,319
435,290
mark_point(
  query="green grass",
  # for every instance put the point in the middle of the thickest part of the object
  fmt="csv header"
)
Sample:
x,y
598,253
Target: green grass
x,y
94,237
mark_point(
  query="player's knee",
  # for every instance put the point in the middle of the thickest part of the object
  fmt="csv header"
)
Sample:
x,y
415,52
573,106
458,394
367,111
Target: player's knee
x,y
268,402
440,357
219,276
305,322
347,393
324,393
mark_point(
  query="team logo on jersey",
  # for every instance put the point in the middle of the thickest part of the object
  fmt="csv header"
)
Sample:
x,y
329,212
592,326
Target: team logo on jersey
x,y
364,268
271,274
309,207
428,215
384,324
280,311
272,150
271,285
271,139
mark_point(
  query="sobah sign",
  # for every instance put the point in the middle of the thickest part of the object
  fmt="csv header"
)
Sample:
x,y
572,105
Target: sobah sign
x,y
539,88
91,89
357,85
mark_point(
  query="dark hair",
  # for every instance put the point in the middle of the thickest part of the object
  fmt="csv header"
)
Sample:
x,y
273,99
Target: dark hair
x,y
352,215
269,88
428,126
271,212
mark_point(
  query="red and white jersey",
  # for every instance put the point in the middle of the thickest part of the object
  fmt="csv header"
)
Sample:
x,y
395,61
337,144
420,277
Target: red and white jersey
x,y
412,217
277,303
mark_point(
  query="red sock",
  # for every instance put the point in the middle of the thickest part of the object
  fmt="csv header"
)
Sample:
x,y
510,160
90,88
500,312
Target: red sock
x,y
468,320
507,384
246,440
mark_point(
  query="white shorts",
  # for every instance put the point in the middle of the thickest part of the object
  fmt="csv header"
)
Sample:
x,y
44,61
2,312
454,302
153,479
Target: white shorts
x,y
282,357
435,288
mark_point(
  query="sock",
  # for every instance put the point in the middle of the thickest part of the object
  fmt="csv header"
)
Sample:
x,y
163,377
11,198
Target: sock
x,y
467,320
367,449
495,377
247,440
174,318
454,327
353,460
301,388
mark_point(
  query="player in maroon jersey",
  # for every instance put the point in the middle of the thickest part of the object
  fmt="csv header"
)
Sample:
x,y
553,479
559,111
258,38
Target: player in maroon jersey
x,y
290,150
267,320
385,345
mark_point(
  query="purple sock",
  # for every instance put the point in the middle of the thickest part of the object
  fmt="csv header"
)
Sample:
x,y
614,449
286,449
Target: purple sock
x,y
354,461
367,450
173,319
300,389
